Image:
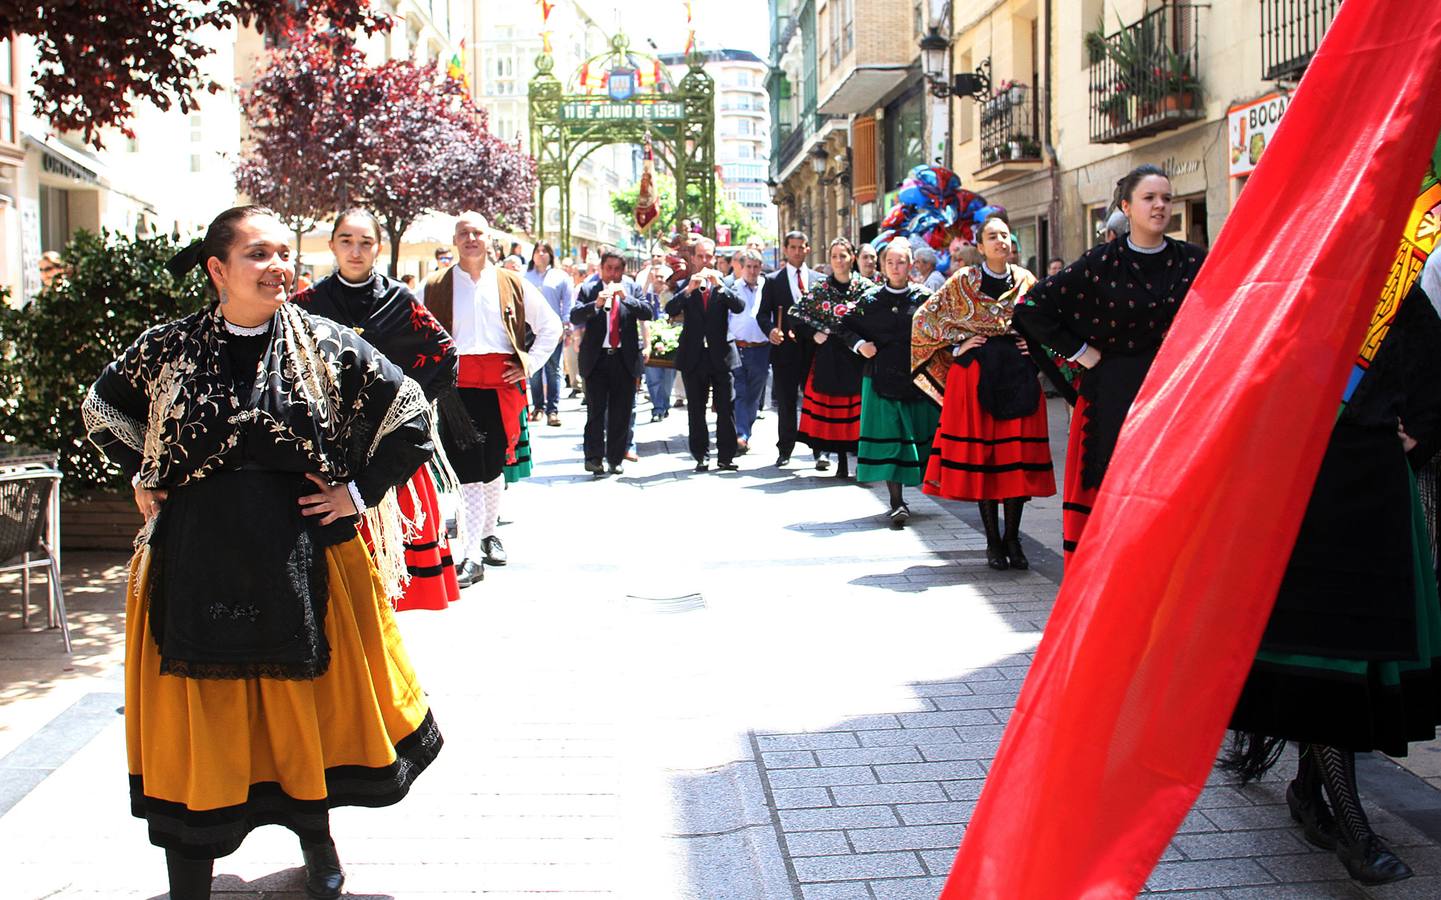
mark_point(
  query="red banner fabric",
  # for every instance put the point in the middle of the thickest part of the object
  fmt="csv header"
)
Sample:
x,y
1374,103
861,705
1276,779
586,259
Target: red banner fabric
x,y
1161,612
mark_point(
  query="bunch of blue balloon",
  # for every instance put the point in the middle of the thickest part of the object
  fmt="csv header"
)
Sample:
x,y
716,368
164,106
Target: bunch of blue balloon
x,y
931,210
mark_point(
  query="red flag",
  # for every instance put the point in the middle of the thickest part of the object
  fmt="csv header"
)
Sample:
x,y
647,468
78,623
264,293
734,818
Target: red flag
x,y
1159,617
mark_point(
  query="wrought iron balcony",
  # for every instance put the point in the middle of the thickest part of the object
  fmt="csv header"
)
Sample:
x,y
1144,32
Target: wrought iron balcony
x,y
1147,80
1291,30
1010,140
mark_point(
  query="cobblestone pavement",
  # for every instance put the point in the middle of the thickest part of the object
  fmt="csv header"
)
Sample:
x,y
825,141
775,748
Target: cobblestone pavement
x,y
728,685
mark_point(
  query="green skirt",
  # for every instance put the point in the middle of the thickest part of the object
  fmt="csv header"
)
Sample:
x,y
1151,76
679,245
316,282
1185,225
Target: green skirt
x,y
1355,704
521,467
896,437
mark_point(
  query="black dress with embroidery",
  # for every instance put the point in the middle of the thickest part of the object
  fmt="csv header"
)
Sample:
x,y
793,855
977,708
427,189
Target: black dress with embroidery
x,y
229,426
1121,302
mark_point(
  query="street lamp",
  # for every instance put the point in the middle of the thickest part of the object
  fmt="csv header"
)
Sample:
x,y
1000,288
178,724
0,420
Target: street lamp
x,y
935,63
820,157
935,51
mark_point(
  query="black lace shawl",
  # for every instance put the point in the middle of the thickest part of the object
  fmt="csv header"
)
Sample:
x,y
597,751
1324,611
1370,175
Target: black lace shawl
x,y
322,398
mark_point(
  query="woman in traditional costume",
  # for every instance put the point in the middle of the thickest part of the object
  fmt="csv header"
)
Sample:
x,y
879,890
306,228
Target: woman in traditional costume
x,y
831,401
1350,660
898,422
993,446
265,679
393,321
1108,313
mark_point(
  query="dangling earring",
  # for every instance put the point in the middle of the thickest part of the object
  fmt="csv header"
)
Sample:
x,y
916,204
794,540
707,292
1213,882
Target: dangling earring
x,y
224,298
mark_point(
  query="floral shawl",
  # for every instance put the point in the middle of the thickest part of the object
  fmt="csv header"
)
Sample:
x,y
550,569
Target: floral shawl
x,y
826,303
954,313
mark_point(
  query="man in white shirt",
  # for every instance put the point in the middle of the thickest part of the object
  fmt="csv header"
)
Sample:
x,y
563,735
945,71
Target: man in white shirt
x,y
754,346
489,312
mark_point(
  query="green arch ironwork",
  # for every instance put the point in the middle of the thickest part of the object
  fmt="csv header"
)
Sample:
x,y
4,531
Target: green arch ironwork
x,y
566,127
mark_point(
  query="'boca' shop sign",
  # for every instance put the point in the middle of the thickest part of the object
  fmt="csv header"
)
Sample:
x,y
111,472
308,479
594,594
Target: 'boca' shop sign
x,y
1250,127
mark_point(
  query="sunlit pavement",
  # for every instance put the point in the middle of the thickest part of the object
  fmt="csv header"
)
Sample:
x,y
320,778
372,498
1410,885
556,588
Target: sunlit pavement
x,y
720,685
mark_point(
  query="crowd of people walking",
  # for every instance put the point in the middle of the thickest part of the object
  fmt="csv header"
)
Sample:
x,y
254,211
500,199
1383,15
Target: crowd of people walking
x,y
296,455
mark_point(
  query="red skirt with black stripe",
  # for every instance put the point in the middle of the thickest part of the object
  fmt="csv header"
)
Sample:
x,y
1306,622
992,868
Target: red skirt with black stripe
x,y
979,457
829,422
427,556
1077,499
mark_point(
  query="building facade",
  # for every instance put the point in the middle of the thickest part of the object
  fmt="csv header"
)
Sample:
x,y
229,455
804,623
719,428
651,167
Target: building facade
x,y
849,112
1080,93
743,127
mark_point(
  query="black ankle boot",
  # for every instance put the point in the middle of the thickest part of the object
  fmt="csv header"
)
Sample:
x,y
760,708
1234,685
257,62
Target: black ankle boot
x,y
991,522
1011,542
1366,857
1370,861
324,879
1312,814
843,466
189,878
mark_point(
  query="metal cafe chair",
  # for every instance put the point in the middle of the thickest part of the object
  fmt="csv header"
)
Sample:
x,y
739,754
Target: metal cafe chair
x,y
30,532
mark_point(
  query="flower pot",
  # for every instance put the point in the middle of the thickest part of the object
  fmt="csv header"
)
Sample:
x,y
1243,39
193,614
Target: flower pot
x,y
1018,95
1015,149
1178,102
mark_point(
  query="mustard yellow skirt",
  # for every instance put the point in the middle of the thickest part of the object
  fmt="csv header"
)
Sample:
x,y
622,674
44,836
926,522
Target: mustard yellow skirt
x,y
210,760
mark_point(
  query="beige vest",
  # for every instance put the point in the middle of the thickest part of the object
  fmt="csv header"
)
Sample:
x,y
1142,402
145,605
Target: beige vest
x,y
438,296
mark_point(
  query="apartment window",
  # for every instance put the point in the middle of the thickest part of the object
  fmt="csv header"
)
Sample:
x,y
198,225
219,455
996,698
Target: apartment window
x,y
835,29
848,25
197,163
9,65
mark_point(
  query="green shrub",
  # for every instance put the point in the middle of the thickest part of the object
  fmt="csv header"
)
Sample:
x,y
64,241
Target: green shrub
x,y
53,349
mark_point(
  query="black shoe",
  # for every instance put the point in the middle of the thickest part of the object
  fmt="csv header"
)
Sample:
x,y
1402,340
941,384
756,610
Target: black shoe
x,y
1314,817
996,557
728,467
594,466
616,468
1371,861
702,467
783,460
469,572
655,417
1015,555
324,879
822,464
494,551
899,515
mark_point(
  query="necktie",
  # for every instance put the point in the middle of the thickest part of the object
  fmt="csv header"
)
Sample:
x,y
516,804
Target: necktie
x,y
615,321
705,298
800,286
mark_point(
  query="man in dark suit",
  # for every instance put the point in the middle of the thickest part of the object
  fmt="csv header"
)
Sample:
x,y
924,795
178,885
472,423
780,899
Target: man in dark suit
x,y
610,359
706,355
790,358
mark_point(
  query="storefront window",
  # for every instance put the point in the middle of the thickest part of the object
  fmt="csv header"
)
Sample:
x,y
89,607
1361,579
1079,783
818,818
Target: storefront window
x,y
54,218
905,137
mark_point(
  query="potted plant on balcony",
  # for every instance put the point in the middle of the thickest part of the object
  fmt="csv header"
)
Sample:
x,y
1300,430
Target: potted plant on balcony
x,y
1030,148
1116,107
1178,84
1096,43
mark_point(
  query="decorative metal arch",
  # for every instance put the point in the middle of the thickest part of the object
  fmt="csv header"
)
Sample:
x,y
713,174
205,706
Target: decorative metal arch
x,y
610,103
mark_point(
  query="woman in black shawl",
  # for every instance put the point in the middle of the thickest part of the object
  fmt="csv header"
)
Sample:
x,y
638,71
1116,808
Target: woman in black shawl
x,y
397,324
265,681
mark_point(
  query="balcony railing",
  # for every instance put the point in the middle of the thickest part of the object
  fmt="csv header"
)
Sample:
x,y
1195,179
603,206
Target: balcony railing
x,y
1291,30
1008,126
1147,81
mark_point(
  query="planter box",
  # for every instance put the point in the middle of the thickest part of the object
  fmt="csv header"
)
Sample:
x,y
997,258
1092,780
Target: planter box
x,y
99,521
1184,100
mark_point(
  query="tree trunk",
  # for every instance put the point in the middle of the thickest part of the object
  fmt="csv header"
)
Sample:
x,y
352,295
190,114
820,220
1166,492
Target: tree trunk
x,y
395,231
